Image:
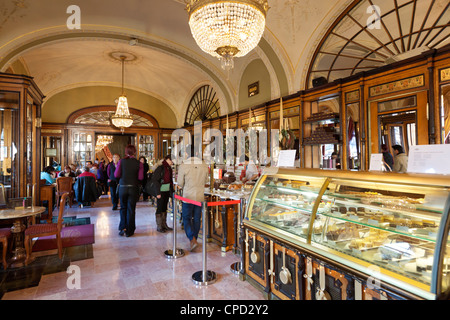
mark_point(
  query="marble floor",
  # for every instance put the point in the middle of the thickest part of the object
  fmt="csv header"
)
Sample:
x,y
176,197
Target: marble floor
x,y
135,267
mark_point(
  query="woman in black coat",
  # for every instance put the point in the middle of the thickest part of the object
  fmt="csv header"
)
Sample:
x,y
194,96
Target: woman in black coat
x,y
143,160
162,188
130,171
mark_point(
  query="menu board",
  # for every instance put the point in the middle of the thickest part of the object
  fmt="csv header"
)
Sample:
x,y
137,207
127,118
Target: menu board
x,y
431,158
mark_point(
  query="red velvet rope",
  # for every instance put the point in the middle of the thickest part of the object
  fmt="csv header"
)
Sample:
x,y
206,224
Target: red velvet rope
x,y
209,204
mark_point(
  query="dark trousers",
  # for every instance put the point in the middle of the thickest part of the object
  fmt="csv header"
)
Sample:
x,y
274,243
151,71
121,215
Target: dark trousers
x,y
191,215
114,194
161,203
128,196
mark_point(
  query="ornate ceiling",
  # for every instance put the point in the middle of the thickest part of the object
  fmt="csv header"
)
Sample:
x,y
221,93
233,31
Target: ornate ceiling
x,y
169,67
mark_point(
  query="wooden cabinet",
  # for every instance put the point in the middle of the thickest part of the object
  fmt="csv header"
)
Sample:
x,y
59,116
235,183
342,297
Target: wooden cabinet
x,y
20,123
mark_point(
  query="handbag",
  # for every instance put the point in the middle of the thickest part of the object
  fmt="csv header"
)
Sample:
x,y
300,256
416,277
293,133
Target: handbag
x,y
150,188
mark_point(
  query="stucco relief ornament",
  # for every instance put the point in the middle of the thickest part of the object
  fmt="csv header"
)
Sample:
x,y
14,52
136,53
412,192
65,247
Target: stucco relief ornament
x,y
11,12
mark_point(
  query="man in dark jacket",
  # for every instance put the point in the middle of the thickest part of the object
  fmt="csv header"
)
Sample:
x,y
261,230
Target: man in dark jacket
x,y
130,171
113,182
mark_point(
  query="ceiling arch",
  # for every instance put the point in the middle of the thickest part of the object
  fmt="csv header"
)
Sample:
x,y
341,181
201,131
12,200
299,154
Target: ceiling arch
x,y
70,45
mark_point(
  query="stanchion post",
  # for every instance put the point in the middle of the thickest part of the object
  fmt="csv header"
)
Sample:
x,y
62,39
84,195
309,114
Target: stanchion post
x,y
204,277
242,233
174,253
235,268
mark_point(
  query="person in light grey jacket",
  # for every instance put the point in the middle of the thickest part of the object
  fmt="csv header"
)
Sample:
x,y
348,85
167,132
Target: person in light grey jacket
x,y
400,159
192,176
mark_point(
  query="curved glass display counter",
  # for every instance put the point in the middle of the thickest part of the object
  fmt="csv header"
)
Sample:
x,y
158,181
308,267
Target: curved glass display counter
x,y
396,224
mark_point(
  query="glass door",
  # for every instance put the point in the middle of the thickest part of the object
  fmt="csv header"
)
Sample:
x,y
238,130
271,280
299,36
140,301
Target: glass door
x,y
9,143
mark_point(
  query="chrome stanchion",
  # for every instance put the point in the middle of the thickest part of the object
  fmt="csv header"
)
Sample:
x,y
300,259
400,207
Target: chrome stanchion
x,y
204,277
174,253
235,268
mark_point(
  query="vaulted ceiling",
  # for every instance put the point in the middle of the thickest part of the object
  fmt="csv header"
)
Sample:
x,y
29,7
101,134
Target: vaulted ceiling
x,y
78,68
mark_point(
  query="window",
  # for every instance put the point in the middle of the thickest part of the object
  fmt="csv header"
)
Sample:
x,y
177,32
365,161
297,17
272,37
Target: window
x,y
82,149
147,147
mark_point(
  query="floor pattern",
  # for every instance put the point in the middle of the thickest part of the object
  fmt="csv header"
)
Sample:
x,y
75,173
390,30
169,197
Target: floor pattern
x,y
121,268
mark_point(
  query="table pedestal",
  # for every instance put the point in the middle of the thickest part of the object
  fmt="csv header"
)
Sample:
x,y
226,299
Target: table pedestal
x,y
19,254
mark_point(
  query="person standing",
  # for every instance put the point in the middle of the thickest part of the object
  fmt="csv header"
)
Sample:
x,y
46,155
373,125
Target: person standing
x,y
400,159
162,190
113,181
387,158
130,171
143,160
251,171
192,176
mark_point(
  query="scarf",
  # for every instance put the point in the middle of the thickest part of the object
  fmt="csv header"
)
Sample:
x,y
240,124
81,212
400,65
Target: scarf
x,y
167,178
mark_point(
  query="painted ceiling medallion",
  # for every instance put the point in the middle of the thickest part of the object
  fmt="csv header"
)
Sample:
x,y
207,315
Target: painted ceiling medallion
x,y
127,56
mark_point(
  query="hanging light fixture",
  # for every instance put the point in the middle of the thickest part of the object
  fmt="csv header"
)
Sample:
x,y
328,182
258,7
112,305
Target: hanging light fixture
x,y
227,29
122,118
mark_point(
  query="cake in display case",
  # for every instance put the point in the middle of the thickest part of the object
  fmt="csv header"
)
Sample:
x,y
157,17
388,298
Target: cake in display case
x,y
396,223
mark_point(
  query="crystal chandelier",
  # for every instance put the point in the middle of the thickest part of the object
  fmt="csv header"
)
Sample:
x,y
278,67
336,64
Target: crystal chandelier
x,y
122,118
227,29
103,141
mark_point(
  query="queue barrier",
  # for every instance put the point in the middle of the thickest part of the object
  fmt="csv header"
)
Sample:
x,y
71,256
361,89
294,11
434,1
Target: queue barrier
x,y
203,277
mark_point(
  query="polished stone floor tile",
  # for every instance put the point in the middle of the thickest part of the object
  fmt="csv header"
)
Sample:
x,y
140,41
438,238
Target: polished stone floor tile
x,y
133,268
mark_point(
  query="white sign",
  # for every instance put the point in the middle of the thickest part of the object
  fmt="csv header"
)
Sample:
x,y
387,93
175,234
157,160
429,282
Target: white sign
x,y
376,162
430,158
286,158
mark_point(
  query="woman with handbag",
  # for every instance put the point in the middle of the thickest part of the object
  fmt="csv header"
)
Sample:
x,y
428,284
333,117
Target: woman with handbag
x,y
161,187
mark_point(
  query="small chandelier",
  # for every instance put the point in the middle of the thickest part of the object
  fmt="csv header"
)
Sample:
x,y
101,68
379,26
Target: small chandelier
x,y
122,118
227,29
103,141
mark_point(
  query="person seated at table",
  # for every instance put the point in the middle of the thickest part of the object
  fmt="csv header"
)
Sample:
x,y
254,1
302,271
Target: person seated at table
x,y
94,169
87,173
75,169
86,191
48,175
66,173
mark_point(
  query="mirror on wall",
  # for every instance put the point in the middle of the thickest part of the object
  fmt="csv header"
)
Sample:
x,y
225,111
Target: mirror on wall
x,y
445,113
322,136
51,151
9,141
353,136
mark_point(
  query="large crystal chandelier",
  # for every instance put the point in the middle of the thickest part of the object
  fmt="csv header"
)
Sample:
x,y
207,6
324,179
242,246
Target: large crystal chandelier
x,y
227,29
122,118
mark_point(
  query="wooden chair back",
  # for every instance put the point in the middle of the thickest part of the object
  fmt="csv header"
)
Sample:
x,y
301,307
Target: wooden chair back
x,y
64,184
62,205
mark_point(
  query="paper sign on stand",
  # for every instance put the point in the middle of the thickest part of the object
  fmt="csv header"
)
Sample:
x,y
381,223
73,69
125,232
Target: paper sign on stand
x,y
430,158
376,162
286,158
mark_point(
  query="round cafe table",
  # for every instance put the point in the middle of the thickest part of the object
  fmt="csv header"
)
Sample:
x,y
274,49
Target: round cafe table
x,y
19,215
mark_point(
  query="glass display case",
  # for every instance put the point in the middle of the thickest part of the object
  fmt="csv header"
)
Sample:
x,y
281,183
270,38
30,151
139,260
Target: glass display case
x,y
147,147
395,223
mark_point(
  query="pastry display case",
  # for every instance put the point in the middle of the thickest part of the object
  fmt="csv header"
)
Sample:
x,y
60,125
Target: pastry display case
x,y
383,228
